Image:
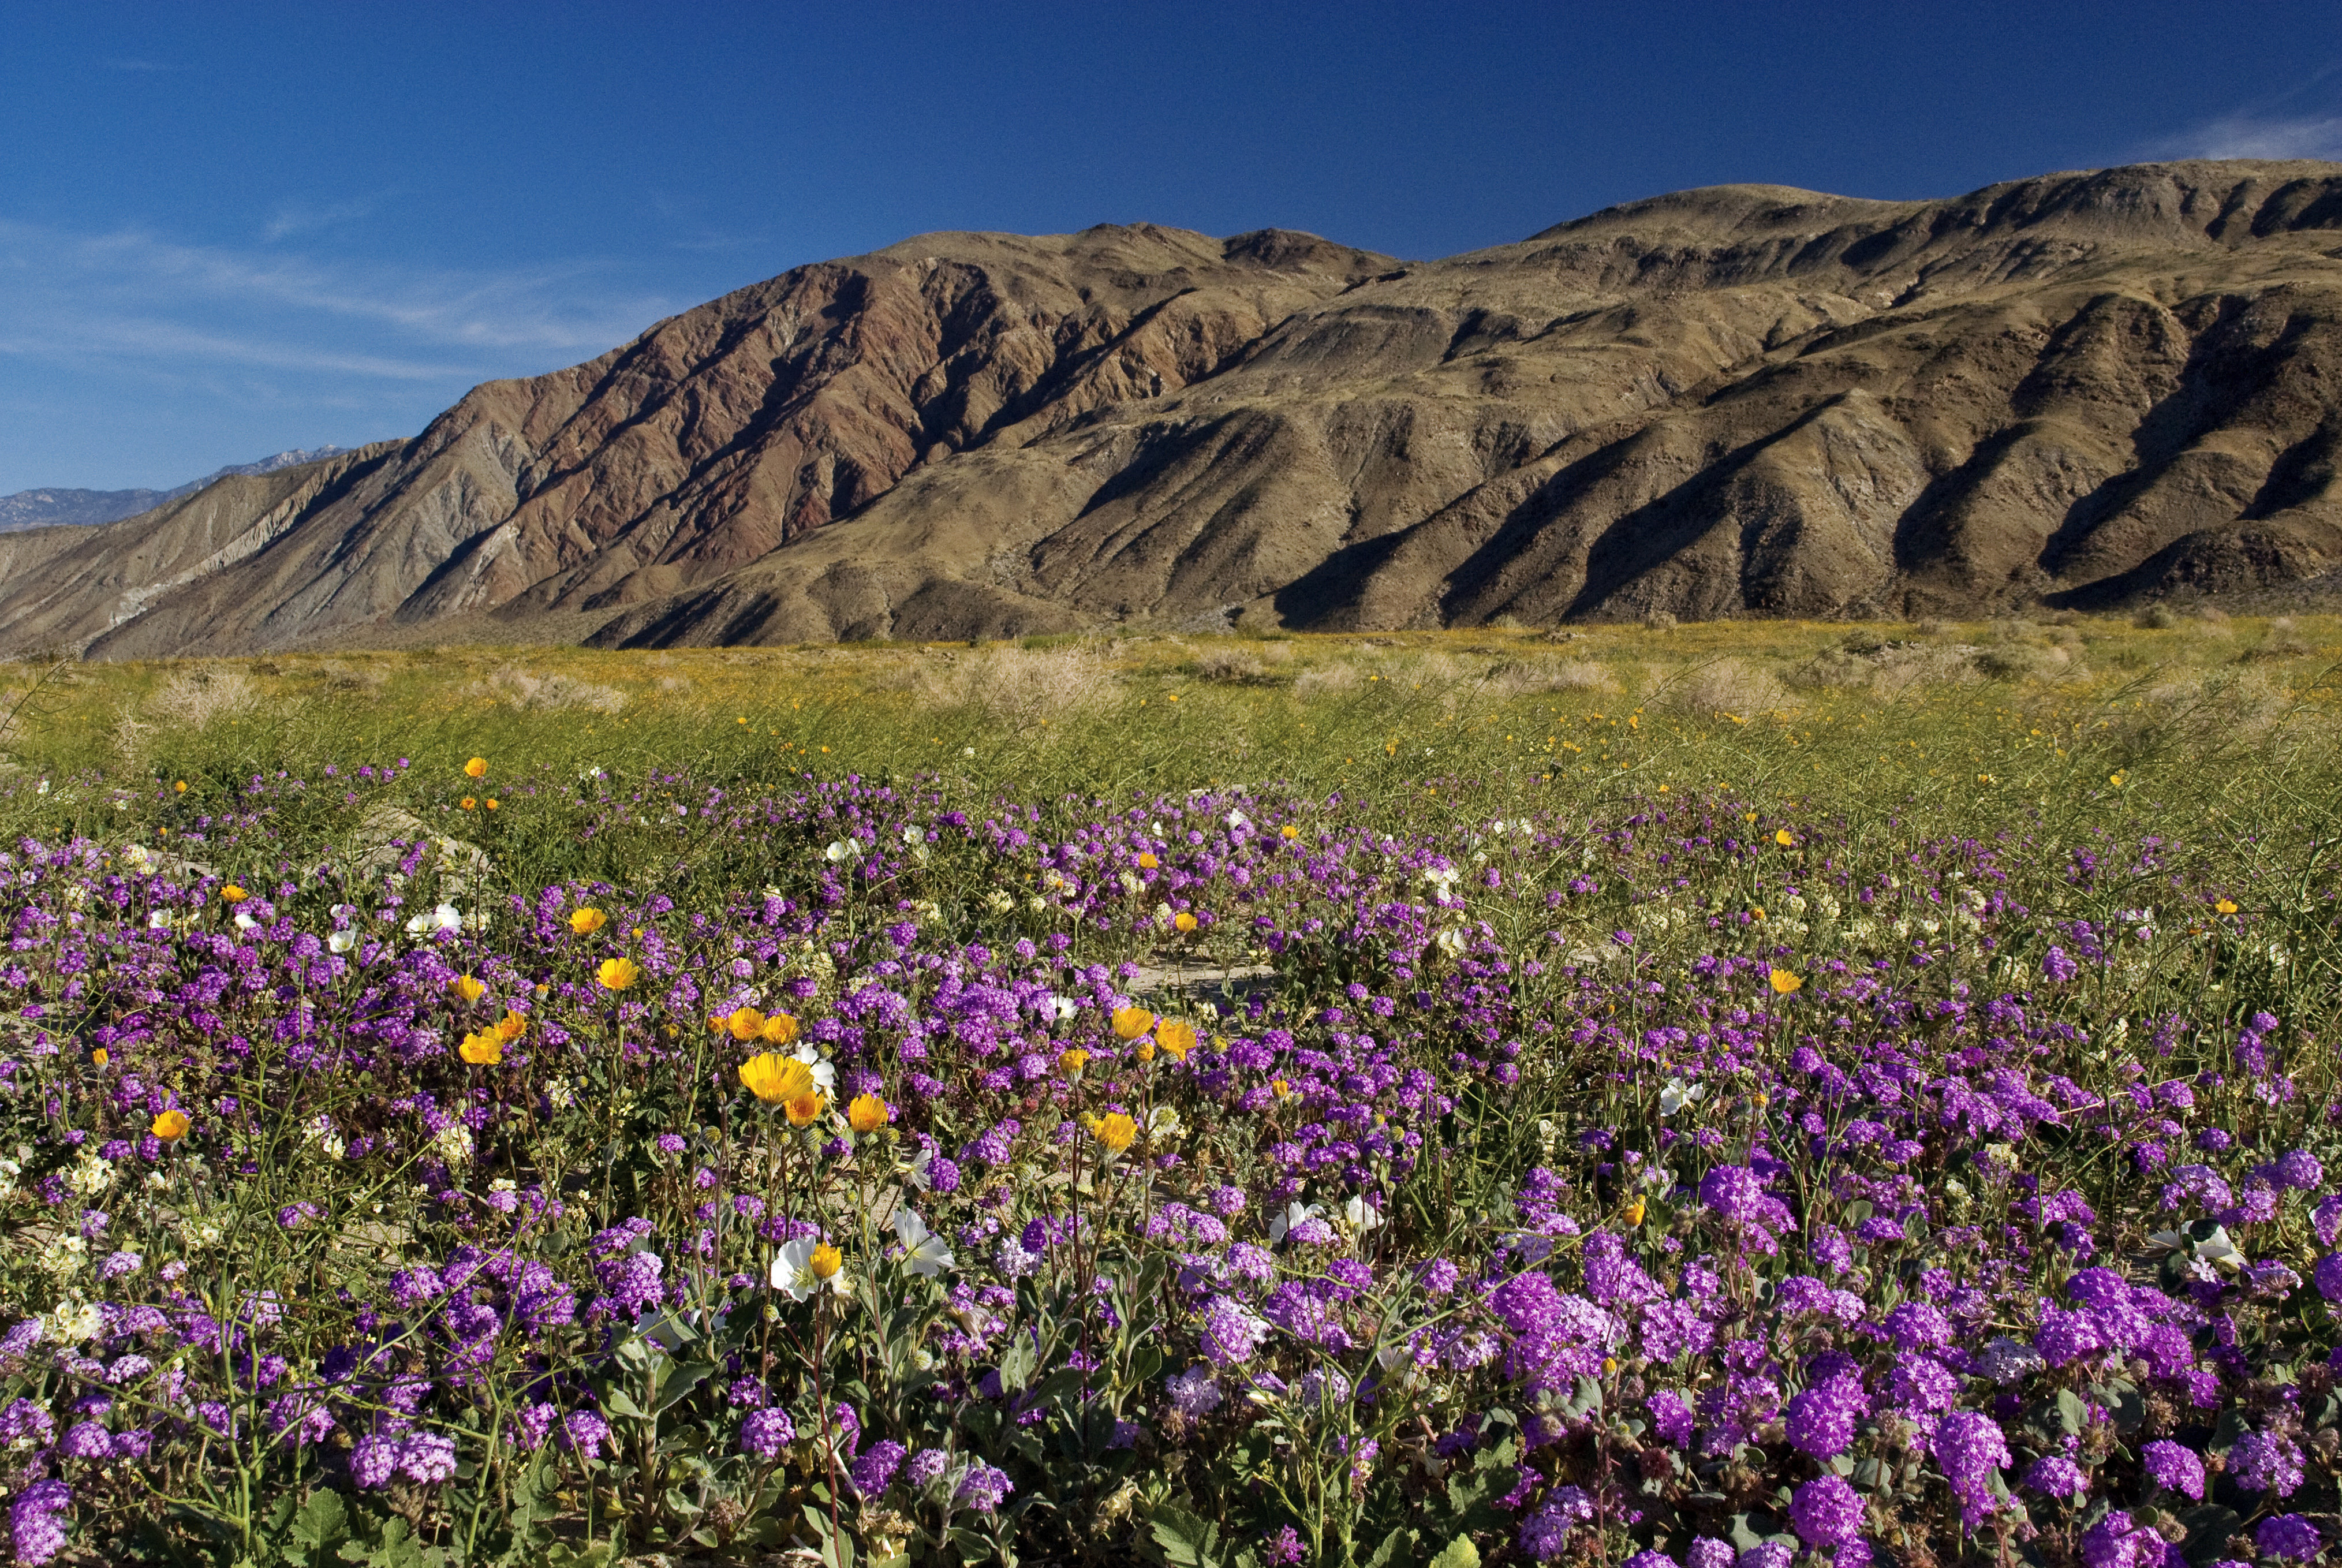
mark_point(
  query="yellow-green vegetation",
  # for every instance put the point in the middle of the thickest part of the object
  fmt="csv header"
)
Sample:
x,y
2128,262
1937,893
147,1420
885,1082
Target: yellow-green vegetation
x,y
1978,720
1649,1096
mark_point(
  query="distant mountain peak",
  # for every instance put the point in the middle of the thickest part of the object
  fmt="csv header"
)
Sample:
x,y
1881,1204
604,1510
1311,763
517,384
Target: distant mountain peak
x,y
52,507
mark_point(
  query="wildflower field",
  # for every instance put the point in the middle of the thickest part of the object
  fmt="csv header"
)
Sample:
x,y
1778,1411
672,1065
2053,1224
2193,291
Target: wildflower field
x,y
1708,1096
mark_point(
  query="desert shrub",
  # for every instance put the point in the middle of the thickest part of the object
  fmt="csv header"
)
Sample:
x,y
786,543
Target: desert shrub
x,y
1529,676
1725,686
517,688
1339,679
1230,664
1053,684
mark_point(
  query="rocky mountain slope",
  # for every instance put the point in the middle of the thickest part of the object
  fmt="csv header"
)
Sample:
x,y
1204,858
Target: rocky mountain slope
x,y
59,508
1744,401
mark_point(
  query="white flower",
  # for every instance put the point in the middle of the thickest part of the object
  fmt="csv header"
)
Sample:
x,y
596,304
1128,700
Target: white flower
x,y
159,921
823,1073
321,1135
1294,1213
1363,1215
919,1173
1450,942
1131,880
1678,1094
560,1094
1062,1008
793,1272
446,917
967,750
842,850
913,835
1238,822
89,1173
998,901
1163,1124
136,857
74,1320
245,922
341,941
452,1142
923,1253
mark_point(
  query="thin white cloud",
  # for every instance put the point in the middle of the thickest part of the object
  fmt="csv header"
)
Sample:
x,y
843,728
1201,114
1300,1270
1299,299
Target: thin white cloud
x,y
149,340
2256,136
292,219
63,288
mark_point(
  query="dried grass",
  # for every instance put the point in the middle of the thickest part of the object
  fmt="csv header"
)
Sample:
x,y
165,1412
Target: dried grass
x,y
1532,676
517,688
1725,686
1023,684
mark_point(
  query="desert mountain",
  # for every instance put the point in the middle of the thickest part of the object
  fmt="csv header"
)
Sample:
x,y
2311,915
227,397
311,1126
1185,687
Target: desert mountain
x,y
2082,388
54,507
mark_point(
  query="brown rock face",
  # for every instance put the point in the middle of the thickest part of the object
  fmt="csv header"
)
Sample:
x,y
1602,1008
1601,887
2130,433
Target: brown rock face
x,y
1745,401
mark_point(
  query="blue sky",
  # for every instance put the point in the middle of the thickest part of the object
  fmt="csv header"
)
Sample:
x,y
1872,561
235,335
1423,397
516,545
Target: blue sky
x,y
230,229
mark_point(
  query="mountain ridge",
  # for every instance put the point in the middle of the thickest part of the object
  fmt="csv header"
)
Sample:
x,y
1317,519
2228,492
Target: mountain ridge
x,y
56,506
2079,388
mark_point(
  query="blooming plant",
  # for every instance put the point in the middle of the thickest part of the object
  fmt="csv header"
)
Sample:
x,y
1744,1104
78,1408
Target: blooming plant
x,y
1684,1180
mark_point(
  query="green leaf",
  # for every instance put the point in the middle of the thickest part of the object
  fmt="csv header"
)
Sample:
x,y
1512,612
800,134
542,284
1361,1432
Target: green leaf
x,y
1185,1540
680,1382
1017,1366
1457,1553
322,1524
2072,1414
593,1555
616,1402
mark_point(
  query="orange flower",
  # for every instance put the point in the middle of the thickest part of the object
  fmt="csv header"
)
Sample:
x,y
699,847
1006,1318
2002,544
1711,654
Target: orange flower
x,y
1635,1213
171,1126
1183,922
511,1026
617,973
1281,1089
586,922
1116,1132
467,803
483,1050
469,989
1146,861
231,894
804,1108
780,1029
1130,1023
1785,838
100,1056
745,1023
1785,983
776,1079
180,786
1175,1037
1289,831
490,803
477,768
1072,1063
2226,906
867,1114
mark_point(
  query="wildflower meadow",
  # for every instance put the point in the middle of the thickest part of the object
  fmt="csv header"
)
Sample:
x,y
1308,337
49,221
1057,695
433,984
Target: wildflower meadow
x,y
1699,1096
